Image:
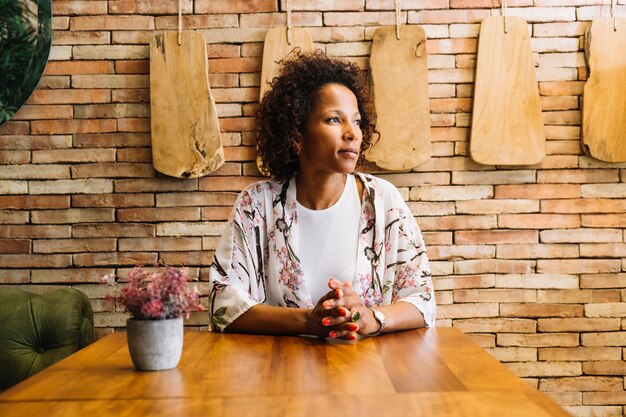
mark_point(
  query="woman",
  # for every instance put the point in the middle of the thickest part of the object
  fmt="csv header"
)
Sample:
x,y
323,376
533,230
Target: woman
x,y
319,250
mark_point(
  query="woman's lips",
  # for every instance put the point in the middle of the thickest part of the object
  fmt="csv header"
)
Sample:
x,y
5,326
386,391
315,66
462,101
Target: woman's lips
x,y
350,153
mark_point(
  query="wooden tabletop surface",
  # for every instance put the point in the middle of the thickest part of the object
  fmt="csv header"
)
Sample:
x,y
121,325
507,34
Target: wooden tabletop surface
x,y
426,372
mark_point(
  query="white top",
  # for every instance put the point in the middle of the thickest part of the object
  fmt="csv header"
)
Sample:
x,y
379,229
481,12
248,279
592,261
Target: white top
x,y
328,241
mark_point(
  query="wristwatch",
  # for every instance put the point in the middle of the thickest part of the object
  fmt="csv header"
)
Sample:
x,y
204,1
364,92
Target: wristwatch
x,y
381,319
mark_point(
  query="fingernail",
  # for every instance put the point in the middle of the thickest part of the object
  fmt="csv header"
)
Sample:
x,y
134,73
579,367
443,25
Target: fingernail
x,y
326,321
327,304
338,293
353,327
332,334
351,336
344,311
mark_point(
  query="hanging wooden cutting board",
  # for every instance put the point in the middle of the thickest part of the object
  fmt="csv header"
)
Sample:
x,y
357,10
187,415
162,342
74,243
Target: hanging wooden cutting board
x,y
186,139
399,76
275,49
604,99
507,128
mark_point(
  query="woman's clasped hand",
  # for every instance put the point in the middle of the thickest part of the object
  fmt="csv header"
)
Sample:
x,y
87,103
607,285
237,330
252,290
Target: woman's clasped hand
x,y
341,314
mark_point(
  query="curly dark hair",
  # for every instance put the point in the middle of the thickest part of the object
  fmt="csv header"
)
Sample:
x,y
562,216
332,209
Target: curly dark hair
x,y
285,107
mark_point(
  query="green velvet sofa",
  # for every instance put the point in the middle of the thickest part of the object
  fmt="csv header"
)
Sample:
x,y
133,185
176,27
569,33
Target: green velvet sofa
x,y
39,330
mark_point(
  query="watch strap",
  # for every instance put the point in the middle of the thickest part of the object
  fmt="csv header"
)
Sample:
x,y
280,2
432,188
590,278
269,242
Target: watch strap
x,y
380,318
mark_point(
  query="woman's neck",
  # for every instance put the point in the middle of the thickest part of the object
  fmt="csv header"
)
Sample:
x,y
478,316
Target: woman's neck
x,y
319,192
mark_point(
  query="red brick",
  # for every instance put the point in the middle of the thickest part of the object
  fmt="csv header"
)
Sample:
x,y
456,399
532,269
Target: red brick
x,y
577,324
32,231
34,202
186,258
111,23
133,125
148,7
579,266
496,236
580,354
131,95
35,261
587,205
14,127
73,8
14,157
113,170
537,191
73,245
457,222
113,200
114,259
160,244
604,220
581,383
111,140
578,296
145,185
81,38
201,199
78,67
70,275
158,214
215,213
234,6
14,246
113,230
134,155
540,310
537,340
206,21
30,112
73,126
500,266
583,176
537,251
539,221
70,96
132,67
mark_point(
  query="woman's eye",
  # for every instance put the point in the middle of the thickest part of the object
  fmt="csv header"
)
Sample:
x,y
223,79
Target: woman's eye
x,y
358,122
334,120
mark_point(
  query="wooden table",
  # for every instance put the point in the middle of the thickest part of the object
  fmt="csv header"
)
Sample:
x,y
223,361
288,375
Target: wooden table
x,y
427,372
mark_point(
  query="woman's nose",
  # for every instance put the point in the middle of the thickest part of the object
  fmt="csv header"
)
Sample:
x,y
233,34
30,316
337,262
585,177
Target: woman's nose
x,y
350,132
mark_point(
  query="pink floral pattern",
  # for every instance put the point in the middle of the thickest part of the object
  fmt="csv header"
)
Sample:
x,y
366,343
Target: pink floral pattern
x,y
256,260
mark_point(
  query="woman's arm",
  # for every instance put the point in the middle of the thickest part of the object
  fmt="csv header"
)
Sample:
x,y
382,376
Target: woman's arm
x,y
323,320
399,316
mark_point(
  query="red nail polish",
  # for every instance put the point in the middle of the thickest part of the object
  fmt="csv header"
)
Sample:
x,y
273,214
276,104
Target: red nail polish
x,y
326,321
344,312
332,334
326,304
351,336
338,293
353,327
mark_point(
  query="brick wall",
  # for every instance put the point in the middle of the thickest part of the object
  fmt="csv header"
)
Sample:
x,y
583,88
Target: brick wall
x,y
531,261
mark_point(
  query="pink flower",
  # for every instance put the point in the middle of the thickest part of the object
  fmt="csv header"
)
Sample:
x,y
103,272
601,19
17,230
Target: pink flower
x,y
162,294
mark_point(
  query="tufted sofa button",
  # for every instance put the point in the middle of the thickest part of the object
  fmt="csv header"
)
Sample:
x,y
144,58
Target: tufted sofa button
x,y
40,349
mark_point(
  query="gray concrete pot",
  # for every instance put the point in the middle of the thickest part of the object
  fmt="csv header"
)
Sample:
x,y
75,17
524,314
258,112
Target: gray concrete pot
x,y
155,345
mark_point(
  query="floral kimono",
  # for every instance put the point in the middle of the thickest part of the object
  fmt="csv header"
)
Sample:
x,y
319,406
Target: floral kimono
x,y
257,261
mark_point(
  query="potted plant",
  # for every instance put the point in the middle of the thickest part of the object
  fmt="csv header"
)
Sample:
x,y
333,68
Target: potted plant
x,y
157,301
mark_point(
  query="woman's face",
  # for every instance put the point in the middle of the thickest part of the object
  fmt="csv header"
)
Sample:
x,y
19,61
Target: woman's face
x,y
331,139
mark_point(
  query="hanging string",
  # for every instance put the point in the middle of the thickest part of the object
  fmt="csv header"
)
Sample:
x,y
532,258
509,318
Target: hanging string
x,y
504,15
398,19
613,15
289,22
180,21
